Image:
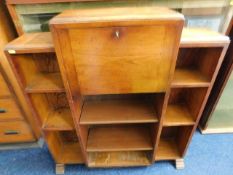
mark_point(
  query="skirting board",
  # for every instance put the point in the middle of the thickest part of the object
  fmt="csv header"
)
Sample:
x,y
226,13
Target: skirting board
x,y
216,130
38,144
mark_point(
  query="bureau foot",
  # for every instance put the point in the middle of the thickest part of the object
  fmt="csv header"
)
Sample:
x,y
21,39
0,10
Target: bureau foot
x,y
60,168
179,164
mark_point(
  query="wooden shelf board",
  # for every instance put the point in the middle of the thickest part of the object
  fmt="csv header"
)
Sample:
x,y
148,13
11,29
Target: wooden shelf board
x,y
202,37
118,111
31,43
59,119
45,82
177,115
119,138
189,78
42,42
71,154
216,130
118,159
167,150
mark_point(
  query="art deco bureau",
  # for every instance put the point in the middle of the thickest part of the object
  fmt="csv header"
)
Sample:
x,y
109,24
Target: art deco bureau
x,y
119,86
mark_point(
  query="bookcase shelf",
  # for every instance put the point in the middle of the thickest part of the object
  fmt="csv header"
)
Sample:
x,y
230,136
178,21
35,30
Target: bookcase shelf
x,y
189,78
45,82
59,119
125,110
167,150
184,105
110,111
119,159
173,142
191,67
178,114
119,138
35,63
71,154
53,110
42,42
64,146
32,43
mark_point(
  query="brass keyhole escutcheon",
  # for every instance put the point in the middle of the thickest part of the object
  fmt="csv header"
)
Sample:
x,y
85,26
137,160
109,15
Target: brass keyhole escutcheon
x,y
117,33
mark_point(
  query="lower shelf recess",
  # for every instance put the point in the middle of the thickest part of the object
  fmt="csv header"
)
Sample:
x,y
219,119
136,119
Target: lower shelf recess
x,y
167,150
118,111
59,119
119,159
189,78
119,138
45,82
71,153
177,115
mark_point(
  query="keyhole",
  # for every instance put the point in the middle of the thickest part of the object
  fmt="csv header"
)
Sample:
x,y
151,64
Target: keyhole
x,y
117,34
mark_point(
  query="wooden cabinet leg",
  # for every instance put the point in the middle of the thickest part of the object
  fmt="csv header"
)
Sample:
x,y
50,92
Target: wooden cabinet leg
x,y
179,164
60,168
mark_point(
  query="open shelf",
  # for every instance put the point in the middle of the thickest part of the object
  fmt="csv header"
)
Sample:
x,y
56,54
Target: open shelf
x,y
64,146
71,153
189,78
59,119
119,159
38,72
112,111
184,105
167,150
53,111
42,41
201,37
45,82
32,43
195,66
119,138
173,142
177,114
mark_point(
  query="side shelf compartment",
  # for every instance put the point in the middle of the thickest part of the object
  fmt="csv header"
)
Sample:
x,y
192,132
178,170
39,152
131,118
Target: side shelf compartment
x,y
184,106
53,110
64,146
196,66
173,142
38,72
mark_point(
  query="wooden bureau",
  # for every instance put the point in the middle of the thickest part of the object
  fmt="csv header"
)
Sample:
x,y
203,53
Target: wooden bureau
x,y
119,87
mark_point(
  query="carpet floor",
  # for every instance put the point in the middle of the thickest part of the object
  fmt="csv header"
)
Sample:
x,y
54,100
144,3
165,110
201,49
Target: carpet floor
x,y
207,155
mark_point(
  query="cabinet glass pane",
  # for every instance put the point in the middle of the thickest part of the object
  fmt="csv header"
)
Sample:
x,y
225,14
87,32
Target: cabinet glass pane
x,y
223,114
213,14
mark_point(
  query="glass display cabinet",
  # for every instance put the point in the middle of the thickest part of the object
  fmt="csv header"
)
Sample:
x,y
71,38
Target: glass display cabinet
x,y
34,16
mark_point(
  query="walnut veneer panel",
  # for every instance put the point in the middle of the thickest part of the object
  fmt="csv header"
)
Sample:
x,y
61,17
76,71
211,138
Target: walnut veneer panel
x,y
113,53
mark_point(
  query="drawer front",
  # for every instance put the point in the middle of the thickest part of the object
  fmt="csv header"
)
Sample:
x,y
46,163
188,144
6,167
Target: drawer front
x,y
18,131
9,110
117,62
4,88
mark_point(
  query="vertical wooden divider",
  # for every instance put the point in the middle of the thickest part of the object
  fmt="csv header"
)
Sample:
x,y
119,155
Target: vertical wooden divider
x,y
75,101
178,29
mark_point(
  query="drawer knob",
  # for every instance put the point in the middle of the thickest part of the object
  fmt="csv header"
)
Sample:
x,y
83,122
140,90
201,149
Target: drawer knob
x,y
11,132
117,33
2,111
